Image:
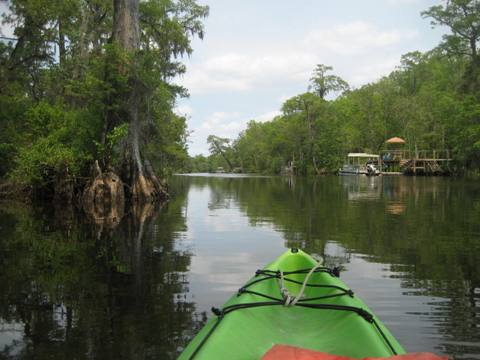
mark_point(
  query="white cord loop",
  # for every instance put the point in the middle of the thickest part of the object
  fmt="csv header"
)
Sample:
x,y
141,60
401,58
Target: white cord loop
x,y
291,300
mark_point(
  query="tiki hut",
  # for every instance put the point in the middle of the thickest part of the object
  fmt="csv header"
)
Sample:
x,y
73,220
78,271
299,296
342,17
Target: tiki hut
x,y
395,140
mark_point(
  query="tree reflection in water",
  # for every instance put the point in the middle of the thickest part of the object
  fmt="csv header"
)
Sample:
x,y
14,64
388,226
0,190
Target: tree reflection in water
x,y
425,231
93,288
72,287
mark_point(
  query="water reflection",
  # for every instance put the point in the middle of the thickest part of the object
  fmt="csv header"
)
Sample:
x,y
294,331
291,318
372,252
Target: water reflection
x,y
409,245
98,290
362,188
141,287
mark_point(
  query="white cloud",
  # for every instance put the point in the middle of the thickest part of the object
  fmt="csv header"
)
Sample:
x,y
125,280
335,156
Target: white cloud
x,y
223,123
219,123
369,72
354,38
284,98
5,29
268,116
403,2
183,110
292,63
242,72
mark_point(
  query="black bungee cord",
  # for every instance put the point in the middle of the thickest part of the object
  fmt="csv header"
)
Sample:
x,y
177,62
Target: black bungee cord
x,y
271,274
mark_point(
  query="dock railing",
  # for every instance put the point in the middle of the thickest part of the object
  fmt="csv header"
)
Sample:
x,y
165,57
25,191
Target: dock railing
x,y
415,162
398,155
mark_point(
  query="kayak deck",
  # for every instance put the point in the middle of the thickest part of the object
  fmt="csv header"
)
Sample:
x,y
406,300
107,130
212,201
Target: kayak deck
x,y
328,317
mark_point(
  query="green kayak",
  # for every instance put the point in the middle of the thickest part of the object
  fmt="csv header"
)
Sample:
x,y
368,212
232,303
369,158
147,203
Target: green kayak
x,y
293,301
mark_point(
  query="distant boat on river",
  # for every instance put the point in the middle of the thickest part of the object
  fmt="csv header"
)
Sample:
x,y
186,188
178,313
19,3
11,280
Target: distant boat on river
x,y
360,164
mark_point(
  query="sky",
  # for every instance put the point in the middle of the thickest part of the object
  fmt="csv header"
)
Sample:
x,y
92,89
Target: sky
x,y
258,53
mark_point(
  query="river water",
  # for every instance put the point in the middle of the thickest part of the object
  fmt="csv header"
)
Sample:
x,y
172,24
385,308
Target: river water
x,y
141,287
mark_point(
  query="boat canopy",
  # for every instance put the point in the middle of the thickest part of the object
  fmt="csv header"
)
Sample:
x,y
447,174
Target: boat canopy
x,y
363,155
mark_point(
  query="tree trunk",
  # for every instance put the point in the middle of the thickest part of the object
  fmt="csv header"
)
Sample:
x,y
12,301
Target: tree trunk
x,y
104,199
82,44
61,42
311,136
142,184
218,147
126,31
63,187
227,161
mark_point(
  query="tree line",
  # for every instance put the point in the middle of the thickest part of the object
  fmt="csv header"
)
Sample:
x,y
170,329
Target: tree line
x,y
431,100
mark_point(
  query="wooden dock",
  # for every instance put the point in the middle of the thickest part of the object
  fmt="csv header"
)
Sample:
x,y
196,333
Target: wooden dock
x,y
419,162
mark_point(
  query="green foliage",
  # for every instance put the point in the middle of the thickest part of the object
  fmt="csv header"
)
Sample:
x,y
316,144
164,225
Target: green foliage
x,y
57,139
221,147
463,19
422,101
112,140
117,134
63,110
322,84
305,139
199,164
218,144
169,150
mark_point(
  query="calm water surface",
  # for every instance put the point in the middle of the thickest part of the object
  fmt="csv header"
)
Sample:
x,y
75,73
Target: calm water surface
x,y
140,288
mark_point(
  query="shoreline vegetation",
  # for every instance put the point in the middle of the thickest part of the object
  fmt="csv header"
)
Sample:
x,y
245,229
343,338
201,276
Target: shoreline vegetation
x,y
87,98
432,100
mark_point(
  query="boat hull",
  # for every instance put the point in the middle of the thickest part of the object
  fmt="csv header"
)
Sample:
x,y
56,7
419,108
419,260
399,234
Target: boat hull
x,y
248,333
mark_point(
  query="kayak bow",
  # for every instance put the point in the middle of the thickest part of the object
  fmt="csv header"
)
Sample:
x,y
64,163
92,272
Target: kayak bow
x,y
293,301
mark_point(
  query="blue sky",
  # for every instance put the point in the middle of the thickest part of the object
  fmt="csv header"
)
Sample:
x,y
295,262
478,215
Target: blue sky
x,y
258,53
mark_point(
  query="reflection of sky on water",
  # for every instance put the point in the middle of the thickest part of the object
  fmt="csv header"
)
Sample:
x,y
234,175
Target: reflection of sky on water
x,y
228,246
411,314
362,188
11,337
408,317
408,246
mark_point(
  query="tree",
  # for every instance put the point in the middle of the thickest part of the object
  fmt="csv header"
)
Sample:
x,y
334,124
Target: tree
x,y
146,39
323,84
107,95
145,186
220,146
182,20
463,19
137,170
410,66
306,105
